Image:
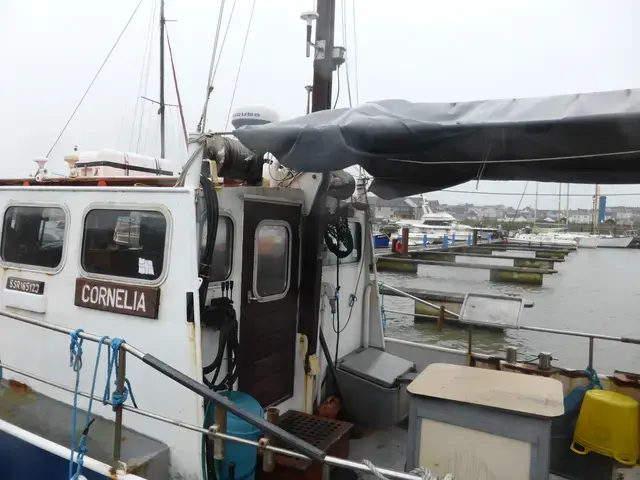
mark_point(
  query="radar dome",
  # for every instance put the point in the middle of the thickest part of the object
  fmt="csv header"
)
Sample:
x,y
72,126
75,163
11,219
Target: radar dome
x,y
253,115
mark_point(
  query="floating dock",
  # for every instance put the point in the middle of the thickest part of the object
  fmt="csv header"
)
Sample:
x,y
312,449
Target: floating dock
x,y
520,275
452,302
503,260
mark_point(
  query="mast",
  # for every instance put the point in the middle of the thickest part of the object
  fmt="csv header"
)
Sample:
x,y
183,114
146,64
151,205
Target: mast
x,y
162,105
535,206
567,210
594,218
559,202
315,222
324,64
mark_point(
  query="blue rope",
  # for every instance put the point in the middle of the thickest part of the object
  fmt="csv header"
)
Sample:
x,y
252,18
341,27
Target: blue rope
x,y
75,361
117,398
593,377
383,313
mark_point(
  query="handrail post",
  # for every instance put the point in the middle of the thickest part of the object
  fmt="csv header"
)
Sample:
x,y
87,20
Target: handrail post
x,y
591,339
120,384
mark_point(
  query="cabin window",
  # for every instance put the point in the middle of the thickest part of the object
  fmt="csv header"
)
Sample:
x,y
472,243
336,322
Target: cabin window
x,y
124,243
222,250
329,258
271,266
33,236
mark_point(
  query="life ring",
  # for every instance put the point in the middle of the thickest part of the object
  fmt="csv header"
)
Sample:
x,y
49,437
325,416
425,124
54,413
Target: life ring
x,y
398,247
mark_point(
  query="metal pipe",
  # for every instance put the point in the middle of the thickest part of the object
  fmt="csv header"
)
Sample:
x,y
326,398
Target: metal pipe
x,y
57,328
419,300
334,461
581,334
590,353
117,434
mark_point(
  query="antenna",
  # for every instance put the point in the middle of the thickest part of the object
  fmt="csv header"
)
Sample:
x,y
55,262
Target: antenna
x,y
161,109
310,17
309,89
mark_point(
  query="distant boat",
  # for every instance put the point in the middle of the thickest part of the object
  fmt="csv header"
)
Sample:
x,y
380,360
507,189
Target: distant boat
x,y
588,241
611,241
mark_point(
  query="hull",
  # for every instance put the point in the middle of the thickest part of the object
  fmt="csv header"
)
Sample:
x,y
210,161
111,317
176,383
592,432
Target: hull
x,y
588,242
615,242
543,241
33,457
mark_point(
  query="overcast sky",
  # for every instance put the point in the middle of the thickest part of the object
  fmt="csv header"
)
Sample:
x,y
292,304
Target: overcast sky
x,y
419,50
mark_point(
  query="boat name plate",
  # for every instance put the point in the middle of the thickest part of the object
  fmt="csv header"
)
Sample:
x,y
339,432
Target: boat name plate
x,y
117,298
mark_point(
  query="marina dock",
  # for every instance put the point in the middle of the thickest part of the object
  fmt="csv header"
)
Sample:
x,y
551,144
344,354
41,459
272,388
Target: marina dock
x,y
511,274
452,303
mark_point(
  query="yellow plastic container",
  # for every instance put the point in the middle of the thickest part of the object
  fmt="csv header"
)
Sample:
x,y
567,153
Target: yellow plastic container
x,y
608,425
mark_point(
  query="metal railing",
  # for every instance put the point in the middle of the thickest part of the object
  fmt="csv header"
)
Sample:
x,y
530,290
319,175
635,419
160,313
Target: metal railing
x,y
271,431
591,336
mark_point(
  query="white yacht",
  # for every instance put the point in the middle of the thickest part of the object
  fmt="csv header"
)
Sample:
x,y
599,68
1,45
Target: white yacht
x,y
435,225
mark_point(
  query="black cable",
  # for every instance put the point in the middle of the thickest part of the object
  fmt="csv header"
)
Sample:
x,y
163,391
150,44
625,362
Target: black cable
x,y
211,206
336,324
352,298
338,87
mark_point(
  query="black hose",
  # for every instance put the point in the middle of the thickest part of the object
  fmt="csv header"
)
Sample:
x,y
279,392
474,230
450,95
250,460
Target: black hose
x,y
227,341
211,206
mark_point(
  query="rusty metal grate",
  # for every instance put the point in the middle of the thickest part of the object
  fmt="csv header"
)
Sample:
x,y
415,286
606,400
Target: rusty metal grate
x,y
318,431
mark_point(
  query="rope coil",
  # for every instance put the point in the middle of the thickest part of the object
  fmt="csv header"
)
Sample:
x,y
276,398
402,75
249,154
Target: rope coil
x,y
421,472
337,235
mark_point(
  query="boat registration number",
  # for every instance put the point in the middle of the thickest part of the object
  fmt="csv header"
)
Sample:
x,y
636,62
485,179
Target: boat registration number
x,y
28,286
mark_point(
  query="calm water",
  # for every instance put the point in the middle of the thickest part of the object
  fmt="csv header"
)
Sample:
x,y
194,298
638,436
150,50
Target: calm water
x,y
595,290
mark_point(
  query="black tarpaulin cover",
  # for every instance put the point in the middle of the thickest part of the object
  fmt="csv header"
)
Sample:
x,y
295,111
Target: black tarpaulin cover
x,y
413,148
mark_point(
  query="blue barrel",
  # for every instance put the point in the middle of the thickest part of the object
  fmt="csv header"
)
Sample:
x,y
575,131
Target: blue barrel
x,y
244,456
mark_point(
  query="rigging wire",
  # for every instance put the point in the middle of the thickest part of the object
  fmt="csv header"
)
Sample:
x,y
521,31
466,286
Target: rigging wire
x,y
224,39
94,79
203,115
520,202
175,82
337,87
147,70
516,160
631,194
355,51
343,14
146,60
244,48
